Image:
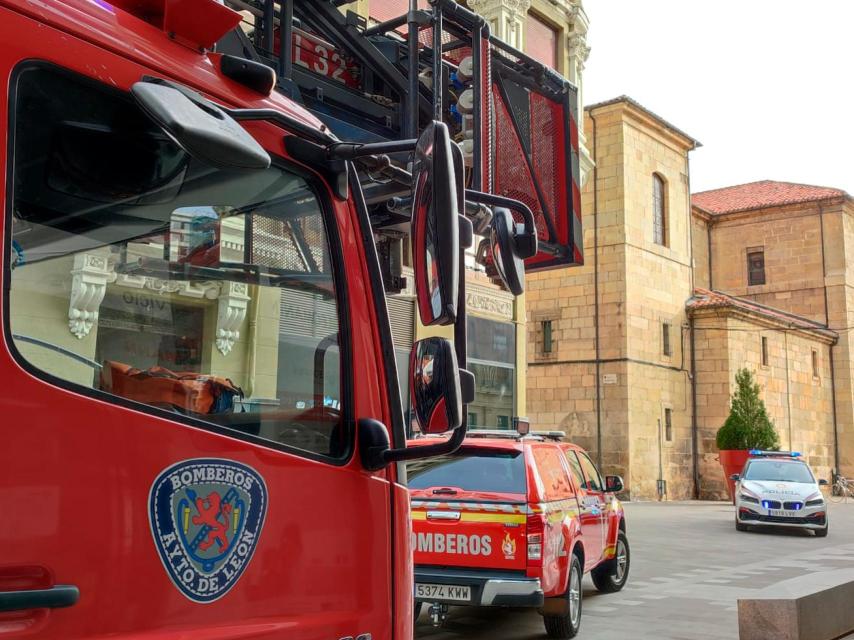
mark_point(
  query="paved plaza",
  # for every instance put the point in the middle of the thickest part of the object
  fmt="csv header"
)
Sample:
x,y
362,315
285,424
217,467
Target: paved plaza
x,y
689,567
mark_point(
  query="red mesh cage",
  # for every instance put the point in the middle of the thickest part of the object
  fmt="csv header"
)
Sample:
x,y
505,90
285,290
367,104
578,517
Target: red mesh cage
x,y
383,10
535,161
512,176
547,132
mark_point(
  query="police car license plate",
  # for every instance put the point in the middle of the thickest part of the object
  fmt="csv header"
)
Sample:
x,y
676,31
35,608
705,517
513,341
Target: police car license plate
x,y
781,513
451,592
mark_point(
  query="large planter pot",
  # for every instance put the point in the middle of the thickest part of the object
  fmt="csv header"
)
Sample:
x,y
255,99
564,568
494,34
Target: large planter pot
x,y
732,461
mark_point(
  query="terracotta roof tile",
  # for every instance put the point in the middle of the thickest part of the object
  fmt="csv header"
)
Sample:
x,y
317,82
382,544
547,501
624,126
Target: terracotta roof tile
x,y
759,195
706,299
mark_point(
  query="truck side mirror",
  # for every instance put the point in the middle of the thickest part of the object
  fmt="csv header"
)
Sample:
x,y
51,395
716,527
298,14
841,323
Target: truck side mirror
x,y
438,386
613,484
508,263
199,127
435,227
734,477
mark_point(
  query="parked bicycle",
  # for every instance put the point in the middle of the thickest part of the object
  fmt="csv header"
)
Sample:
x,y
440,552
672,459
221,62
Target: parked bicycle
x,y
842,489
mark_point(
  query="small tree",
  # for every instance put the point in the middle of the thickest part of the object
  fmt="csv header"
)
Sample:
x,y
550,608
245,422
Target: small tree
x,y
748,425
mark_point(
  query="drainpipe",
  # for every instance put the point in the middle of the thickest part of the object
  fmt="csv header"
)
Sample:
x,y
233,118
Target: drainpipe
x,y
833,404
829,348
661,485
695,453
709,251
695,469
823,265
788,396
596,295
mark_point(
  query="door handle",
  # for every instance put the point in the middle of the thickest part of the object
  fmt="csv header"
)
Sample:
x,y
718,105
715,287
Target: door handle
x,y
62,595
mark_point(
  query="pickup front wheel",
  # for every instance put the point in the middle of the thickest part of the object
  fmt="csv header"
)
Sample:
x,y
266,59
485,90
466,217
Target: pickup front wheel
x,y
568,624
611,576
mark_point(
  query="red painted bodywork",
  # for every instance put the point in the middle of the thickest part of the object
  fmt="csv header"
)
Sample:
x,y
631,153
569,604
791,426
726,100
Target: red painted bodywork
x,y
564,523
333,559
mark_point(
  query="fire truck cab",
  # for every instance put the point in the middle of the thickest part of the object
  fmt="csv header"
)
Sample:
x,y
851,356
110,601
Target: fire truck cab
x,y
202,425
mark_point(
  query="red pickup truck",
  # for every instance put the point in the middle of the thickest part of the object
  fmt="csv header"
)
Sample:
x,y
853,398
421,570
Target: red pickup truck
x,y
515,520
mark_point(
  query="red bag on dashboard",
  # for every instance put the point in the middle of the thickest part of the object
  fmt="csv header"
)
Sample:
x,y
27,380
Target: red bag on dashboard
x,y
158,386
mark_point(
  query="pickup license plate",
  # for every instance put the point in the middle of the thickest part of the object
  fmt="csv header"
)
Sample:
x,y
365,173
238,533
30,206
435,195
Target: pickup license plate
x,y
781,513
449,592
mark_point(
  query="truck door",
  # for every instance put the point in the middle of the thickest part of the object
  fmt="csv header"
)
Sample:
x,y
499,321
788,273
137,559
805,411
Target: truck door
x,y
558,507
179,396
591,498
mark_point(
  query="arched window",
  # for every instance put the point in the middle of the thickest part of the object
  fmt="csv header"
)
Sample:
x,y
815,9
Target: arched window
x,y
659,210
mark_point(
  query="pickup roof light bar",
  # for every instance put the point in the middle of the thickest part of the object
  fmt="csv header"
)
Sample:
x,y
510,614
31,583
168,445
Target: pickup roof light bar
x,y
557,436
760,453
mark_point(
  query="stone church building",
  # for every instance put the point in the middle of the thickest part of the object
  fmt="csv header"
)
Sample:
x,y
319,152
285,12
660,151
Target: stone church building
x,y
634,354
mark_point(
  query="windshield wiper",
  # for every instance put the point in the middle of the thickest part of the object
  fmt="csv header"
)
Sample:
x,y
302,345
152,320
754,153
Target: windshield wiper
x,y
53,347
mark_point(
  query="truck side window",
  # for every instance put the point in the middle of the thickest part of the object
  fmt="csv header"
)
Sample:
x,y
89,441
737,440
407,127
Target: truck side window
x,y
593,479
551,472
156,281
575,466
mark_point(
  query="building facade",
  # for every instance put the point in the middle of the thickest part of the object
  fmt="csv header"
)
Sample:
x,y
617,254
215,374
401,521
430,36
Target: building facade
x,y
610,344
790,247
605,341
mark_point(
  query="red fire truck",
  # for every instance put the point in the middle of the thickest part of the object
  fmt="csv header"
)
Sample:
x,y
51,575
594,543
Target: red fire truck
x,y
203,432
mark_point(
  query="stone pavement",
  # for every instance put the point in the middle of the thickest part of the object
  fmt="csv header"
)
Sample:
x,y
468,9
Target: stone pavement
x,y
689,567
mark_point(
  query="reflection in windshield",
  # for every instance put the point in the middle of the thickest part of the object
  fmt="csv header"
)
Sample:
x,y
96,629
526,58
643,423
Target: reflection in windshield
x,y
141,273
777,471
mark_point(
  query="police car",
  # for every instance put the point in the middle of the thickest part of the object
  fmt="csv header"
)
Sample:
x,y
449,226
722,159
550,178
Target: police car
x,y
777,488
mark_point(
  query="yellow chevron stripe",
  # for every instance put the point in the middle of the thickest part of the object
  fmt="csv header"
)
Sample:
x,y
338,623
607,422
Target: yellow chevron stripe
x,y
493,517
479,517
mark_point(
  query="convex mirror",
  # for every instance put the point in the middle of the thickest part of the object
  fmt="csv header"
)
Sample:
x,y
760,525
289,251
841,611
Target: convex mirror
x,y
613,484
502,240
435,227
434,381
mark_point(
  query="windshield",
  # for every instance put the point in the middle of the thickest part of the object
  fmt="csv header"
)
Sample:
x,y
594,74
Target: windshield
x,y
486,471
144,274
778,471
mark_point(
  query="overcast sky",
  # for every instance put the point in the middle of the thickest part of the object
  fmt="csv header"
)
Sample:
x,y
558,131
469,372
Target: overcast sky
x,y
765,85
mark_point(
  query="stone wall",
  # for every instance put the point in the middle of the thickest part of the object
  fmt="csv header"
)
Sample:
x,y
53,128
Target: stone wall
x,y
562,383
700,244
799,404
641,285
809,269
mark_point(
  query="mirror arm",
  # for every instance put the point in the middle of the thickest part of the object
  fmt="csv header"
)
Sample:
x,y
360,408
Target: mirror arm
x,y
320,136
353,150
526,243
382,165
415,453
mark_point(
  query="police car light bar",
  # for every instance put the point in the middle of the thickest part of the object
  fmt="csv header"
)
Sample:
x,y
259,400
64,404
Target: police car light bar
x,y
780,454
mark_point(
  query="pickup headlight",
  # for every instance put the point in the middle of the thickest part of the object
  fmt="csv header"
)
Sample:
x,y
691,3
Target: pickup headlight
x,y
746,498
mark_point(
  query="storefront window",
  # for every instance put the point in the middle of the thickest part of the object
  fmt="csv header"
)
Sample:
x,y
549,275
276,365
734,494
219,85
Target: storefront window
x,y
492,359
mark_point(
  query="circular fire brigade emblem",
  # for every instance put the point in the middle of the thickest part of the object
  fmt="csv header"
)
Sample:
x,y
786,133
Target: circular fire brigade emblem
x,y
206,516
